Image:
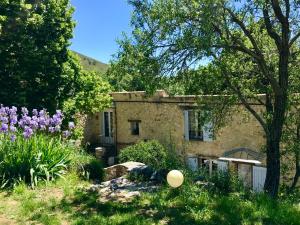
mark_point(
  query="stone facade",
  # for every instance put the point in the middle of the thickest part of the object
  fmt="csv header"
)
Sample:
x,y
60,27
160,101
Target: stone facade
x,y
162,117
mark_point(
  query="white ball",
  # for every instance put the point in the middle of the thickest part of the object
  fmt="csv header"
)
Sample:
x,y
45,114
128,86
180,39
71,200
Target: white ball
x,y
175,178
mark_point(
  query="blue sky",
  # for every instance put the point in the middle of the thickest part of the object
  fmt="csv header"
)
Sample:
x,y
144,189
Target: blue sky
x,y
99,24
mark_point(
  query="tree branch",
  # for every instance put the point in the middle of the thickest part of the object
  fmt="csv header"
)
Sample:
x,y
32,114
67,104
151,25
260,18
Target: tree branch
x,y
294,39
278,12
261,61
243,99
269,27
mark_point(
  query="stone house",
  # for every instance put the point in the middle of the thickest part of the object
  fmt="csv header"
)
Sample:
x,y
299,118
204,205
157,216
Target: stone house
x,y
134,117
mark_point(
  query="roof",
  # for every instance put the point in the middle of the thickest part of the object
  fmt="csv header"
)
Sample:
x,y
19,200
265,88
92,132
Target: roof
x,y
163,96
236,160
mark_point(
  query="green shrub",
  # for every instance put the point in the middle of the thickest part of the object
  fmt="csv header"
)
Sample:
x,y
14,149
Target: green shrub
x,y
31,160
225,182
152,153
93,170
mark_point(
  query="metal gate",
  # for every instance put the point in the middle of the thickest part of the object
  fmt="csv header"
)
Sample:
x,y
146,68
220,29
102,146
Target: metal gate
x,y
259,177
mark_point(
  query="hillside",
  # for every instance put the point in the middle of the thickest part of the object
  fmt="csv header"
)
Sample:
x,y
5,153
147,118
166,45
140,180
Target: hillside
x,y
91,64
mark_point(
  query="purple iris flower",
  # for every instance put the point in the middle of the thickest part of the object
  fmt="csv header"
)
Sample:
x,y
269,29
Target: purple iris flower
x,y
51,129
24,111
27,132
59,113
13,119
13,138
12,128
4,119
4,128
57,128
35,112
66,134
71,125
42,113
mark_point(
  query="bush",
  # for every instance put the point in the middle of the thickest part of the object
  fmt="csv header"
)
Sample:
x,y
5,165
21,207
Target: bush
x,y
226,183
152,153
93,170
40,157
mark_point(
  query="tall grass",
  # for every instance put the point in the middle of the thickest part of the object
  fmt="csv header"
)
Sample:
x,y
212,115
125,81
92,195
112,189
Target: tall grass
x,y
40,157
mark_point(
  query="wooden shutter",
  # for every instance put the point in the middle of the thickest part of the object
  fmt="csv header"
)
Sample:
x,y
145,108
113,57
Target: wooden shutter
x,y
186,125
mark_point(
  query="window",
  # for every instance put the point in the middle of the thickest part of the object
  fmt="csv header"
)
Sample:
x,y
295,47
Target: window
x,y
195,127
135,127
108,121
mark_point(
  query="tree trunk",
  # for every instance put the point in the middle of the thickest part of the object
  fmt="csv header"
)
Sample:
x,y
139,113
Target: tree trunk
x,y
275,125
273,145
273,168
297,174
297,162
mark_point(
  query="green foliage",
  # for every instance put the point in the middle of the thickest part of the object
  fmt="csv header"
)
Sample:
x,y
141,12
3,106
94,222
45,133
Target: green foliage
x,y
124,72
59,201
152,153
40,158
86,166
93,170
34,59
90,64
252,45
225,183
92,94
190,204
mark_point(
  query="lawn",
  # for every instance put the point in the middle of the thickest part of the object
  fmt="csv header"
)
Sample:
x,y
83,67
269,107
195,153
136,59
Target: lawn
x,y
66,202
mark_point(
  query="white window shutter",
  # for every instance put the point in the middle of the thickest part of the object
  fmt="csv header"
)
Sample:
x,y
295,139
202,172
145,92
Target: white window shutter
x,y
208,131
186,125
222,166
192,163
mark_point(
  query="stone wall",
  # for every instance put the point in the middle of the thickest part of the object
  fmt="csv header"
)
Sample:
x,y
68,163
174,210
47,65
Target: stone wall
x,y
161,117
92,128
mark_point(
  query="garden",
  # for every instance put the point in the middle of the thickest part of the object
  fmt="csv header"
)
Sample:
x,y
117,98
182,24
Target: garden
x,y
247,51
46,179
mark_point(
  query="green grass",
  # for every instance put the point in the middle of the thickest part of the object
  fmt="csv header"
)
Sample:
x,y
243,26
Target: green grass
x,y
65,202
91,64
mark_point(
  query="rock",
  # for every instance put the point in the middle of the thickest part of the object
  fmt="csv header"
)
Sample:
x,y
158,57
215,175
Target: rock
x,y
119,170
204,184
159,176
121,189
143,171
199,178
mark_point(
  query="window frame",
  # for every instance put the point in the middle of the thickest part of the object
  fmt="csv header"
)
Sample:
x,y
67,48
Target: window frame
x,y
198,126
138,128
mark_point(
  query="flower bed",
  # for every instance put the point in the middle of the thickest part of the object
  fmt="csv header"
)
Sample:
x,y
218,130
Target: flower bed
x,y
32,146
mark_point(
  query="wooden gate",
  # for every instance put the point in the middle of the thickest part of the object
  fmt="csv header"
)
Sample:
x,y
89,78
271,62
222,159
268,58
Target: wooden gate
x,y
259,177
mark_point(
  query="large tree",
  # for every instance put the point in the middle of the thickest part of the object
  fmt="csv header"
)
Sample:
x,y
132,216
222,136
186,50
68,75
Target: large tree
x,y
235,35
34,59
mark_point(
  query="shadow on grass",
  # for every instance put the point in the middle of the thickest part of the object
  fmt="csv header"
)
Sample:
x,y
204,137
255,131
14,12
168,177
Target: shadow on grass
x,y
175,208
86,208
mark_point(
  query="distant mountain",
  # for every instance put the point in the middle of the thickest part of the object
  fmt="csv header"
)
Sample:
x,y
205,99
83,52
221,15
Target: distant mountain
x,y
91,64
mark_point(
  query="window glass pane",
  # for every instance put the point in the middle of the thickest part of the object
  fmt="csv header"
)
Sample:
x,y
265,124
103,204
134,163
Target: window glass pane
x,y
135,128
199,126
195,128
111,124
106,125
